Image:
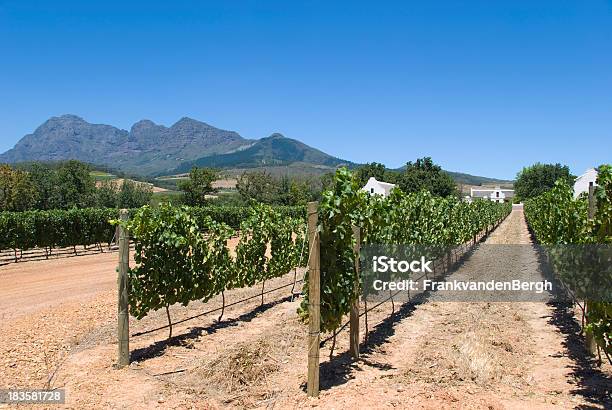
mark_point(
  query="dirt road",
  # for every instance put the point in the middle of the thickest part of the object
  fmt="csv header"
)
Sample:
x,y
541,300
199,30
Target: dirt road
x,y
28,287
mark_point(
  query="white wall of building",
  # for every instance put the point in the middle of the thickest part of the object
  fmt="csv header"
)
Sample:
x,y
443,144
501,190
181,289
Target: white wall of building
x,y
582,182
375,187
496,194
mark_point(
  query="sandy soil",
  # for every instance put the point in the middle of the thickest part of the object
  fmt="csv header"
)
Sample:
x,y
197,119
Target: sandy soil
x,y
227,183
425,354
7,256
31,286
119,181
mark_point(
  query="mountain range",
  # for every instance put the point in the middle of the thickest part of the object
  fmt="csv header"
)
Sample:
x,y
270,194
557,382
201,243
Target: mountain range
x,y
150,149
153,149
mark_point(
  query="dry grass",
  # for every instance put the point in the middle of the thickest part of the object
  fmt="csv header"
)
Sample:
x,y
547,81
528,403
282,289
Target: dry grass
x,y
241,367
246,373
478,346
475,360
228,183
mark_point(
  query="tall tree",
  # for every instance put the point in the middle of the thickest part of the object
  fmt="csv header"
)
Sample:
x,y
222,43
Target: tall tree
x,y
538,178
44,179
134,194
75,186
376,170
258,186
106,193
6,186
17,193
424,174
23,192
198,185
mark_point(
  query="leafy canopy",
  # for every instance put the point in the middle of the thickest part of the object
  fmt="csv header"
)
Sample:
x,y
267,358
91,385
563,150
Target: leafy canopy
x,y
424,174
376,170
198,185
538,178
262,187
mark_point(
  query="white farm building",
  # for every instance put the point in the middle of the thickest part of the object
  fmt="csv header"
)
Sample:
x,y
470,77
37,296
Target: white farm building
x,y
583,181
496,194
375,187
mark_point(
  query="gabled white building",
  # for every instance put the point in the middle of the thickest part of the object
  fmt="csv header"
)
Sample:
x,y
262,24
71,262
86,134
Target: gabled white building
x,y
583,181
375,187
492,194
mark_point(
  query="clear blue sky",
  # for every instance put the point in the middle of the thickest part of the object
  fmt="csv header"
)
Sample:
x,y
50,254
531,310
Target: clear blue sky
x,y
483,87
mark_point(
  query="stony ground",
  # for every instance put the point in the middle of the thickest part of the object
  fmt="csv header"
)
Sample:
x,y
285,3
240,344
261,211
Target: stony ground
x,y
427,354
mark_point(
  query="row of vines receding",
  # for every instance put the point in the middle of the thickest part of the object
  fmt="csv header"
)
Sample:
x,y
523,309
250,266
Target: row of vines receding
x,y
68,228
402,219
578,247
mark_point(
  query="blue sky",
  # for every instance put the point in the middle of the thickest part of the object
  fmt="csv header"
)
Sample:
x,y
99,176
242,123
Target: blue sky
x,y
483,87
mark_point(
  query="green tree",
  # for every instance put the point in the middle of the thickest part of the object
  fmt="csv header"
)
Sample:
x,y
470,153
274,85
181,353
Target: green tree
x,y
17,193
23,192
538,178
283,194
376,170
6,186
44,180
295,190
106,194
300,192
134,194
424,174
258,186
76,188
198,185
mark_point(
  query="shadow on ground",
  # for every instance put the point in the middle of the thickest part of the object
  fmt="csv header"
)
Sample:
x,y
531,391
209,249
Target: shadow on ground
x,y
158,348
339,370
591,383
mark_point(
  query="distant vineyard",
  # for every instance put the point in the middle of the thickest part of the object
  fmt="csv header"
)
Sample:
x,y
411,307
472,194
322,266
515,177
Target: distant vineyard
x,y
91,226
56,228
559,220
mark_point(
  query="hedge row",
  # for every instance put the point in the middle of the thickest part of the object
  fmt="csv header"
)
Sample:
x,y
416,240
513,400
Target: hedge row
x,y
56,228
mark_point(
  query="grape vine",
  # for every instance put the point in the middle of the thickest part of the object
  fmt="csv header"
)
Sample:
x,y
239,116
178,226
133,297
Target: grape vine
x,y
575,243
182,256
402,219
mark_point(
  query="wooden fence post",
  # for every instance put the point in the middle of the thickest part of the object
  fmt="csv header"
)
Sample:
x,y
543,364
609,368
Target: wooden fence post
x,y
354,322
314,300
589,340
123,334
592,203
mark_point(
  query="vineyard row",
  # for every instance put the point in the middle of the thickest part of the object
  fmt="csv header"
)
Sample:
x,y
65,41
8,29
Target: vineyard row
x,y
70,228
575,232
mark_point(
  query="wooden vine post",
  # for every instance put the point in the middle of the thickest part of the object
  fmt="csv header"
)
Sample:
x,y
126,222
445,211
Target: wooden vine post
x,y
354,321
314,300
123,334
590,342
